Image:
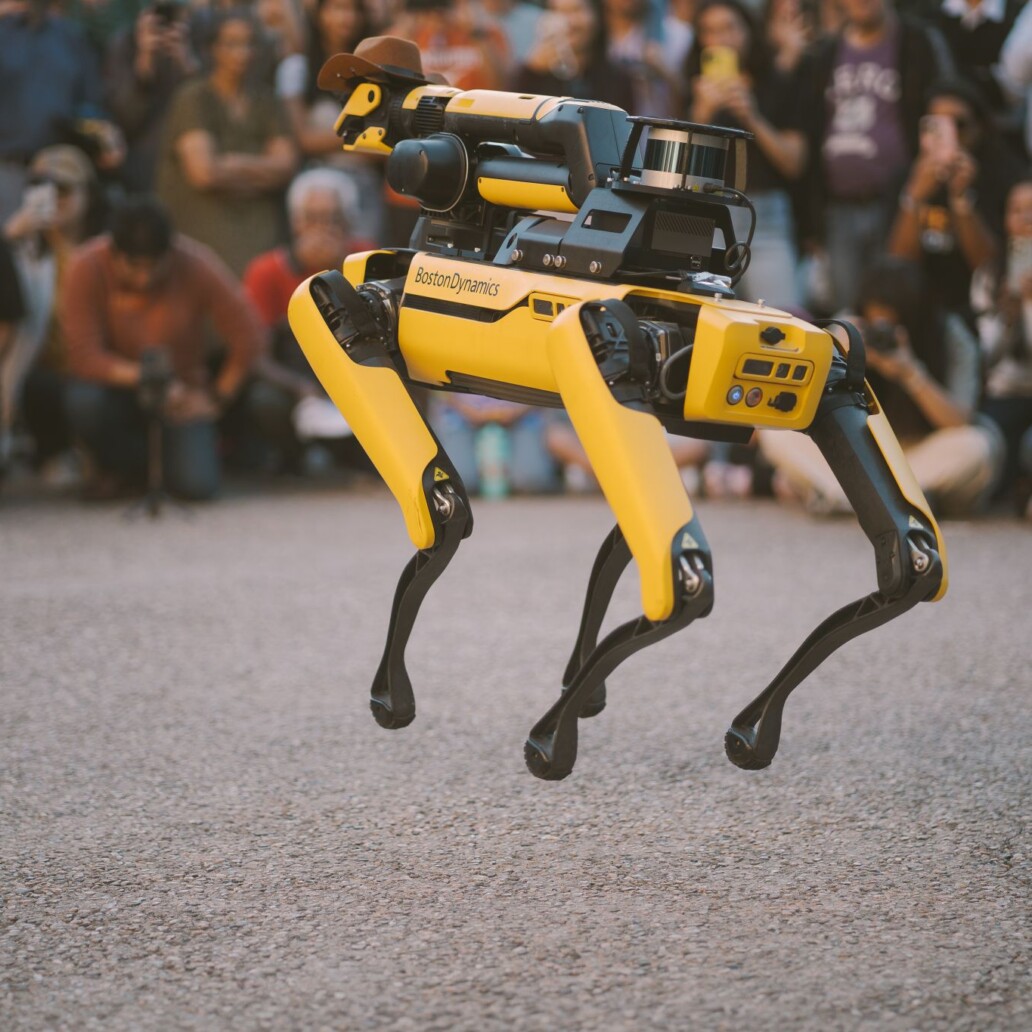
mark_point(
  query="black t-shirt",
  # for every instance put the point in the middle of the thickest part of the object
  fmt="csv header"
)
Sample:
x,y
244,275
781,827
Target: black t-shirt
x,y
12,307
946,270
778,101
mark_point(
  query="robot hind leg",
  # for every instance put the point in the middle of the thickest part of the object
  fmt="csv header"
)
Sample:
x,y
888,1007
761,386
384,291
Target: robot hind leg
x,y
910,556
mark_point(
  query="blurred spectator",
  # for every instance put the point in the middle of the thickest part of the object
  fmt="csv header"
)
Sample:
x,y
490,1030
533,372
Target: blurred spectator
x,y
269,47
950,214
12,311
323,205
569,57
100,20
924,369
335,27
518,20
227,153
283,24
655,87
790,27
457,40
867,88
61,207
831,18
678,34
145,65
974,31
141,287
1001,295
1016,67
496,446
51,91
733,82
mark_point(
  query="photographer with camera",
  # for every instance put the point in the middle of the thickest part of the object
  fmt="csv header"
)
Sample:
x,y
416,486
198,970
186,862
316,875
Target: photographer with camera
x,y
923,366
141,287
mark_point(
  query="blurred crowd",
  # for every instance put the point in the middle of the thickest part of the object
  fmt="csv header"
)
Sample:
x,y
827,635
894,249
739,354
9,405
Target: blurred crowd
x,y
169,174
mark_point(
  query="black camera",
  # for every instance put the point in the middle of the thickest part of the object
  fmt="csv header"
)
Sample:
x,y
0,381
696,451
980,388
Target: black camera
x,y
880,336
155,377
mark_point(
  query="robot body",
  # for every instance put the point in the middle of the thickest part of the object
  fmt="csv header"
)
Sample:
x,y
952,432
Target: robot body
x,y
622,314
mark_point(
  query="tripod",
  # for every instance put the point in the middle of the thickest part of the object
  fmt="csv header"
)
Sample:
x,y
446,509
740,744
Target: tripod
x,y
155,377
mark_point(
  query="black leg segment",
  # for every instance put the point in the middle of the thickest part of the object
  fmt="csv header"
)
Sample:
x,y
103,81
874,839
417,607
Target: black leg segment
x,y
551,748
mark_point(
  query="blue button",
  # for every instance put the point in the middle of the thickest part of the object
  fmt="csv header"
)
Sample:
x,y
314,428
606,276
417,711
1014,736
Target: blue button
x,y
734,396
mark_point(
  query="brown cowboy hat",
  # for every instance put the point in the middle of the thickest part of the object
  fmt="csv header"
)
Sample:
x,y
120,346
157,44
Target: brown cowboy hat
x,y
376,59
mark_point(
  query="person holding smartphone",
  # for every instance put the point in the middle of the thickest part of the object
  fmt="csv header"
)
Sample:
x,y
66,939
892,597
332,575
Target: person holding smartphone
x,y
62,206
570,57
950,216
732,81
145,65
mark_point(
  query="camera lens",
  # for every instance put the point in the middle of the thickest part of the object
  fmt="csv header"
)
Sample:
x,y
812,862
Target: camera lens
x,y
880,336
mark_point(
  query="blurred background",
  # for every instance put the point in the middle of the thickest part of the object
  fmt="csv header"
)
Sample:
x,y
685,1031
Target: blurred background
x,y
169,174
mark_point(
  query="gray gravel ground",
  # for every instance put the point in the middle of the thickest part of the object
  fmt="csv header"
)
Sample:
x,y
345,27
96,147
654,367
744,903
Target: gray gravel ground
x,y
202,827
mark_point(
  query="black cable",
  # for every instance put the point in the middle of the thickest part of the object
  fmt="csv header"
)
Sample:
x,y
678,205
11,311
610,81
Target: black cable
x,y
738,256
664,387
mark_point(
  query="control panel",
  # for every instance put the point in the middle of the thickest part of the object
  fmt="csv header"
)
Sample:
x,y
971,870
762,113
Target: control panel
x,y
749,366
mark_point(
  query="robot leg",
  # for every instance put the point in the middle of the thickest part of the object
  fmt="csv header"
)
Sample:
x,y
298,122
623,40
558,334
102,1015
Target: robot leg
x,y
655,523
910,557
345,344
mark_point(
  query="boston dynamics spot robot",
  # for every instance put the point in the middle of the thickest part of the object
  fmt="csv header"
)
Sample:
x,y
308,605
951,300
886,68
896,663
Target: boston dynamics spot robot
x,y
571,256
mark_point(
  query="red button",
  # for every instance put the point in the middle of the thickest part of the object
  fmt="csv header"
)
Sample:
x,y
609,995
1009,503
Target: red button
x,y
754,397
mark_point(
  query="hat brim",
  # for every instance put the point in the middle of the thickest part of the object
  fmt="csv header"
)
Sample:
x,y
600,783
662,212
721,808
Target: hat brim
x,y
341,69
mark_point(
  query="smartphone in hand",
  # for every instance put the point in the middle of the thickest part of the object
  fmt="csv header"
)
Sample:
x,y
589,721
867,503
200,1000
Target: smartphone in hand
x,y
719,62
938,135
41,200
1019,263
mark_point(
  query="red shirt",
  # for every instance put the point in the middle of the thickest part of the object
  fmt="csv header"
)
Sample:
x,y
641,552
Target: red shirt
x,y
269,282
271,279
103,323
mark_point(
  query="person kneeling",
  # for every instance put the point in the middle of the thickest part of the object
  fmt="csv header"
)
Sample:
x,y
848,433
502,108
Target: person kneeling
x,y
141,288
923,366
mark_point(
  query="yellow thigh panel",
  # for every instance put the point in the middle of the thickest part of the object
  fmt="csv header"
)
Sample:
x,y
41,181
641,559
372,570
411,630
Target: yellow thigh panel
x,y
631,458
379,409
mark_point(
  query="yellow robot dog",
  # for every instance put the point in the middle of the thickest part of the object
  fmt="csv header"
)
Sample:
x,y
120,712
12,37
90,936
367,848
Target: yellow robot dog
x,y
569,255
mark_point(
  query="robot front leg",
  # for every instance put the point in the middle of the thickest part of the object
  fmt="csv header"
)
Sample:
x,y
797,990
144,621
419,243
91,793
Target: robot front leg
x,y
611,561
909,554
655,523
338,330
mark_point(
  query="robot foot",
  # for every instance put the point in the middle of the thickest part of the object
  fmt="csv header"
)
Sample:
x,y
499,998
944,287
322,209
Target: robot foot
x,y
752,740
392,701
551,748
740,746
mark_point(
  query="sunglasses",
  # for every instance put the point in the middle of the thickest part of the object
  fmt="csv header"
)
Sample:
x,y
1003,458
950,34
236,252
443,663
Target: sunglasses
x,y
63,189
